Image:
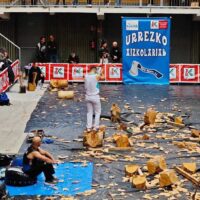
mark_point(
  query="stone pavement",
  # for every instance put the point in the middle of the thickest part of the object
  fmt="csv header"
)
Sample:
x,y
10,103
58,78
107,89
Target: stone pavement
x,y
13,118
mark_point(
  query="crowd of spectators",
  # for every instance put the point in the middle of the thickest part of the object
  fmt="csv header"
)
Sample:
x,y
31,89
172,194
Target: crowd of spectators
x,y
47,51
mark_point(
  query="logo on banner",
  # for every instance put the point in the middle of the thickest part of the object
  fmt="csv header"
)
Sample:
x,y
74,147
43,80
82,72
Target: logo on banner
x,y
131,25
154,24
58,72
77,72
114,72
163,24
173,72
43,70
137,66
189,73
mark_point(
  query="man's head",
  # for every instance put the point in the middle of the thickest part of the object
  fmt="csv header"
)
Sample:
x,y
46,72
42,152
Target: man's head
x,y
35,65
104,45
51,38
114,44
93,69
42,39
36,141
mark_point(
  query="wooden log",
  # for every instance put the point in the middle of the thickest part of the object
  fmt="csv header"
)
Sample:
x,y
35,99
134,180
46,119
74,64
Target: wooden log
x,y
58,83
150,116
195,133
189,167
167,178
188,176
65,94
139,182
178,120
115,113
156,164
175,124
123,141
93,139
130,170
32,86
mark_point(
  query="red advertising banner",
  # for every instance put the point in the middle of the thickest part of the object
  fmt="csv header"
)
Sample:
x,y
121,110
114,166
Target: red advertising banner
x,y
174,73
189,73
59,71
114,72
4,80
77,72
45,70
100,70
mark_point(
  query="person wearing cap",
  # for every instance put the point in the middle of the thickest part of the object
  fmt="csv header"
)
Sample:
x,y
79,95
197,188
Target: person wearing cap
x,y
37,160
92,99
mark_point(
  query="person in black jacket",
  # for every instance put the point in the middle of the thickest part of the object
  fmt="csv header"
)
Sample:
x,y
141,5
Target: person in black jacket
x,y
73,58
115,53
40,75
52,50
41,50
103,53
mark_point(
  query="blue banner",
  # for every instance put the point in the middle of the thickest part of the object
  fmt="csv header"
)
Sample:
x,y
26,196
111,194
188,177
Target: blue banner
x,y
146,50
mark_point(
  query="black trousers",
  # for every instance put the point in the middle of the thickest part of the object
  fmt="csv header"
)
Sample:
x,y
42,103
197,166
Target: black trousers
x,y
39,78
40,167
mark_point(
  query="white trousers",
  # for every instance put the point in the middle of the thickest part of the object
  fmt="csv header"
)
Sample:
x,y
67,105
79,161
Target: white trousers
x,y
93,107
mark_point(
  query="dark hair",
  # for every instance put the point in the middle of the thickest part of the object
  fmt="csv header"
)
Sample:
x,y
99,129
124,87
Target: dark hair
x,y
42,37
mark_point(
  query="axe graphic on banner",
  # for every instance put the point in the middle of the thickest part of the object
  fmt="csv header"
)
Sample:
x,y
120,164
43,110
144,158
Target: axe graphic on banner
x,y
137,66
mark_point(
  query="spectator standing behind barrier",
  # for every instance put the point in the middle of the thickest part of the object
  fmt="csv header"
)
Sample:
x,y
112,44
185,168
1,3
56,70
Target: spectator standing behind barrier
x,y
73,58
40,75
52,50
103,53
36,161
41,50
115,53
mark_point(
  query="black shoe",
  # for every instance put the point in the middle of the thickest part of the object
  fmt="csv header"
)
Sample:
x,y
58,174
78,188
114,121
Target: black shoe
x,y
52,182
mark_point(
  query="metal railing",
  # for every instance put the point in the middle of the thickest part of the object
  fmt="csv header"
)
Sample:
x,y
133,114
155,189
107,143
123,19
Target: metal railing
x,y
107,3
13,50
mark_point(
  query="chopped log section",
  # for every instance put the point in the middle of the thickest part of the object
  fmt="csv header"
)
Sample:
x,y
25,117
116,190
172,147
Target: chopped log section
x,y
156,164
58,83
121,140
167,178
139,182
188,176
150,116
130,170
65,94
93,139
115,113
195,133
178,120
190,167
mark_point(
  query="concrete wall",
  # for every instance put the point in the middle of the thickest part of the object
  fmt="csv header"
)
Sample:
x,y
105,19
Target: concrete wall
x,y
73,32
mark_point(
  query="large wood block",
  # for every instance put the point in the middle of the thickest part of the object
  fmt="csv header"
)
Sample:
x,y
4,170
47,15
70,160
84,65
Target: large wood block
x,y
156,164
150,116
139,182
93,139
130,170
190,167
167,177
115,113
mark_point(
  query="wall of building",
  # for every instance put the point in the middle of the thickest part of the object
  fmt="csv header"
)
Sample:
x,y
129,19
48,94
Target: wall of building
x,y
75,31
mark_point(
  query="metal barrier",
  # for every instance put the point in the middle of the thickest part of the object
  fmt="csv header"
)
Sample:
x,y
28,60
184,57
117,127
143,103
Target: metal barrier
x,y
108,3
13,50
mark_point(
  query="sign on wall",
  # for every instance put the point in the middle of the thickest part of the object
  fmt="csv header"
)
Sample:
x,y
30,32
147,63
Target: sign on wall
x,y
145,50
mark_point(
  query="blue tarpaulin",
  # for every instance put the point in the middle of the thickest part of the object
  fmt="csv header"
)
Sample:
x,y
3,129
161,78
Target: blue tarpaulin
x,y
146,50
74,178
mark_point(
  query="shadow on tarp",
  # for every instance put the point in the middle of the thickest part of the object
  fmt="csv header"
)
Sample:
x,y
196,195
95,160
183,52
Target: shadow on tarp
x,y
73,178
